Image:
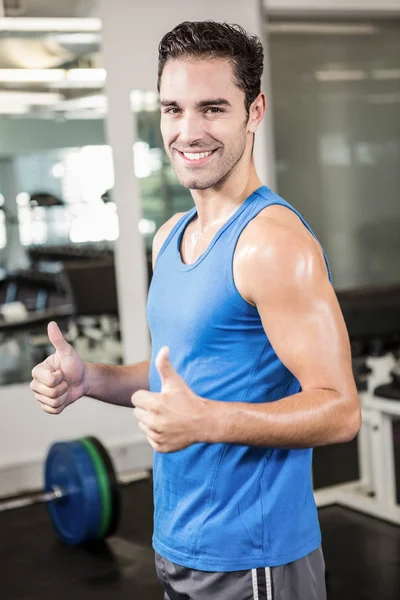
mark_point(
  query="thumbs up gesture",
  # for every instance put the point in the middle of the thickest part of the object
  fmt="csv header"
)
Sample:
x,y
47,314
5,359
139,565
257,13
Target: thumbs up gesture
x,y
60,379
174,418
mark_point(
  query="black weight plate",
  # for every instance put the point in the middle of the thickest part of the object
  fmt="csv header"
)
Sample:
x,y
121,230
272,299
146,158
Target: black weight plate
x,y
114,486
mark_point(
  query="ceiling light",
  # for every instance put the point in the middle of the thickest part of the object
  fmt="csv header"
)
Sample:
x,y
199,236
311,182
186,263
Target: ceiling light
x,y
321,28
86,39
59,76
340,75
386,74
83,75
51,25
31,75
7,108
30,98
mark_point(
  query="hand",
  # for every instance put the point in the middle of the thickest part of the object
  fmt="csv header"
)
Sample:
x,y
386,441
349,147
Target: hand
x,y
174,418
60,379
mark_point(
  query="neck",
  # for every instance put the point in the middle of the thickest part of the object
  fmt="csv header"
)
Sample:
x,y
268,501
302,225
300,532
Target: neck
x,y
217,204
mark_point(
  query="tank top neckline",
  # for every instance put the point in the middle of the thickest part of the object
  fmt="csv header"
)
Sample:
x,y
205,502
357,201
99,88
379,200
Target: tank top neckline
x,y
191,215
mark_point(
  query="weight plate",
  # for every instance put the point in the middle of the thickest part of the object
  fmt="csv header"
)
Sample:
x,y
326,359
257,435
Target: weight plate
x,y
104,488
76,517
114,486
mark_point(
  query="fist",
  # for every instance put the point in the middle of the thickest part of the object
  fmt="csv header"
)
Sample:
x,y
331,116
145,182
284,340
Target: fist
x,y
60,379
174,418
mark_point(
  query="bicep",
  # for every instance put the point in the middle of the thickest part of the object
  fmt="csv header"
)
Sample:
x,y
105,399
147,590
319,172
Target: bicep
x,y
304,323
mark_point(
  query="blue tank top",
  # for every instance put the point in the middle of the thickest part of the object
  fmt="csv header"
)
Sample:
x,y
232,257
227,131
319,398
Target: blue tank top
x,y
225,507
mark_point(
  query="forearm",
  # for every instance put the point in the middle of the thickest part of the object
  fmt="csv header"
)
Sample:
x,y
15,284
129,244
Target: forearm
x,y
115,384
307,419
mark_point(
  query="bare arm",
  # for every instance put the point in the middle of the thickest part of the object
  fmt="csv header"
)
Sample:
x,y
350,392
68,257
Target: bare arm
x,y
115,384
62,378
285,277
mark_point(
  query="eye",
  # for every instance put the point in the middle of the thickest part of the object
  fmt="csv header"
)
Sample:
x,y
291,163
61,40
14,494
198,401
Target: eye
x,y
214,110
171,110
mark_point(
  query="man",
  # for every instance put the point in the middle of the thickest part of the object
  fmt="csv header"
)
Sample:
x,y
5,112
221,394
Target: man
x,y
250,365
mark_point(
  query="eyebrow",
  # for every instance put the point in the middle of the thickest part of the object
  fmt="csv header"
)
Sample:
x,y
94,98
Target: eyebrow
x,y
202,104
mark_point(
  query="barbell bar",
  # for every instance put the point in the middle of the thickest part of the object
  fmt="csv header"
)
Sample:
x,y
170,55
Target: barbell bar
x,y
57,493
81,491
27,500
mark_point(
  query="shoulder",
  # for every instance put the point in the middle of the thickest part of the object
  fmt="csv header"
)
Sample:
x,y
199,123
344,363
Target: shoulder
x,y
277,251
278,230
162,234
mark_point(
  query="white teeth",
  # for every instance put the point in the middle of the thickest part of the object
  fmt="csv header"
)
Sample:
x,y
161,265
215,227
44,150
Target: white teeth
x,y
196,156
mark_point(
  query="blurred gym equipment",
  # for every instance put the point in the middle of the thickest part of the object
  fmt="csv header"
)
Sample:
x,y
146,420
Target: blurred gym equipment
x,y
373,320
81,490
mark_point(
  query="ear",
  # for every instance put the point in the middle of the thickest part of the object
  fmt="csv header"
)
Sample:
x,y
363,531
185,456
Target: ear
x,y
257,111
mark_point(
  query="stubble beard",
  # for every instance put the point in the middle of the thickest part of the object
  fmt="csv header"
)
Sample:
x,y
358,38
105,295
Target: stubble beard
x,y
220,172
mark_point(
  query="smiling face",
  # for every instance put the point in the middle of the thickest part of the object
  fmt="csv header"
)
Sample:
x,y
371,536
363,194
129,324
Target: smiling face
x,y
203,121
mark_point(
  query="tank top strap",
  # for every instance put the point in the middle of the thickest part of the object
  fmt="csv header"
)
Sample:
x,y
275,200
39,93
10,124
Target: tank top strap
x,y
177,230
260,199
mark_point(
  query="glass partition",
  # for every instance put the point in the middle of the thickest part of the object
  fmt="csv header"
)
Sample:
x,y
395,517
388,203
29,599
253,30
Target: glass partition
x,y
58,222
336,106
161,194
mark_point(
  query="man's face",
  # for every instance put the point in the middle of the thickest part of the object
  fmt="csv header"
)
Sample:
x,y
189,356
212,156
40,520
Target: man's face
x,y
203,120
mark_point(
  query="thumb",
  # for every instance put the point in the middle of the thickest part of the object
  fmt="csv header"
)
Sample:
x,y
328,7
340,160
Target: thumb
x,y
58,340
166,371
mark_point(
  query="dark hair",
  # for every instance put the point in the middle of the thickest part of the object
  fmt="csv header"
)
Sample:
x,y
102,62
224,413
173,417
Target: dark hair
x,y
208,39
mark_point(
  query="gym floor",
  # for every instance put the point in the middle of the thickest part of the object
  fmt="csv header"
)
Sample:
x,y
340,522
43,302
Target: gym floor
x,y
362,556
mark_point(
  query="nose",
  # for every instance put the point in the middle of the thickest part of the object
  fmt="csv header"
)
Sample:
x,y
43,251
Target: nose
x,y
190,129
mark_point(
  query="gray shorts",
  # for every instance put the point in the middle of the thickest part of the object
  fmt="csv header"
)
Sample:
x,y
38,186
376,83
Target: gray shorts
x,y
303,579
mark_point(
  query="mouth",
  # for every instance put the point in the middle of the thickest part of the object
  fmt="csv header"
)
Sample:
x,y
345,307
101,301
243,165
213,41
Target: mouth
x,y
196,158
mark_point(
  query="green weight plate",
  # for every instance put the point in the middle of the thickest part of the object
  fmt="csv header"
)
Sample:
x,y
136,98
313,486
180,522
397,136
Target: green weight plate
x,y
104,487
115,490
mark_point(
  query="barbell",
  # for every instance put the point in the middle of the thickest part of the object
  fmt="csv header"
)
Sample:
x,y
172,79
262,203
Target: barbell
x,y
81,491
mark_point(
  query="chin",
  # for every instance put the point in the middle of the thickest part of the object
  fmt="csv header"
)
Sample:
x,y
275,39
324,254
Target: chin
x,y
197,183
192,184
